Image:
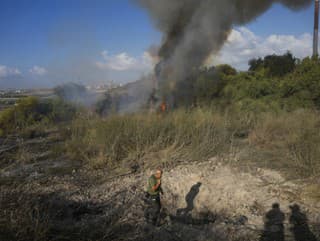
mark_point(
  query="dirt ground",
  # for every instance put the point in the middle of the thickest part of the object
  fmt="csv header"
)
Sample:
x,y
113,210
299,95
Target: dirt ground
x,y
201,201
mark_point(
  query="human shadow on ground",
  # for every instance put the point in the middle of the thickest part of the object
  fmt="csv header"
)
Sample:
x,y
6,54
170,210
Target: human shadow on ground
x,y
190,197
300,225
184,215
273,224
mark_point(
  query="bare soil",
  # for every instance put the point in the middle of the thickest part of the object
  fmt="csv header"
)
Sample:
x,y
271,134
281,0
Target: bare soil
x,y
54,199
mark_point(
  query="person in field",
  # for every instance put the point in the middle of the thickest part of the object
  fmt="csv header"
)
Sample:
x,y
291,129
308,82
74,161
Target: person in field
x,y
153,192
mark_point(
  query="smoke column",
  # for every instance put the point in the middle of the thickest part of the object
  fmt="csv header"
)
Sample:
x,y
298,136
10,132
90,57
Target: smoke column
x,y
195,29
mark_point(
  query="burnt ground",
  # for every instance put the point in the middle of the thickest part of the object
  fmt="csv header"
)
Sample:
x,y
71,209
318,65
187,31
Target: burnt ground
x,y
46,197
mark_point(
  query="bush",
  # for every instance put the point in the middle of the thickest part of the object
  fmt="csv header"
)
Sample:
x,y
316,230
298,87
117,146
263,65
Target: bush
x,y
60,110
30,111
24,113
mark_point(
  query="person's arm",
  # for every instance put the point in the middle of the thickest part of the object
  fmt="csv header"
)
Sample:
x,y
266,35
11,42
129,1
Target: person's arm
x,y
161,190
155,187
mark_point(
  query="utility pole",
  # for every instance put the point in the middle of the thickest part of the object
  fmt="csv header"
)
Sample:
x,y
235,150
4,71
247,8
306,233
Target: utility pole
x,y
316,29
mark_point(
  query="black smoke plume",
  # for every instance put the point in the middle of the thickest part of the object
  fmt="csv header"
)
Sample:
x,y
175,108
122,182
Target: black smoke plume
x,y
195,29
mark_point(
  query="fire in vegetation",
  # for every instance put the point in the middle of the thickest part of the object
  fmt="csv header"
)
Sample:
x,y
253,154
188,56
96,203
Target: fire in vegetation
x,y
194,30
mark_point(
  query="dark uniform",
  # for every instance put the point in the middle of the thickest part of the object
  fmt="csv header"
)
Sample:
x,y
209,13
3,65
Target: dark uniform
x,y
152,212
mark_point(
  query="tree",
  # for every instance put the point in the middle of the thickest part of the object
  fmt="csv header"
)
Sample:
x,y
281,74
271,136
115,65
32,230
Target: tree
x,y
255,64
275,65
302,87
280,65
226,69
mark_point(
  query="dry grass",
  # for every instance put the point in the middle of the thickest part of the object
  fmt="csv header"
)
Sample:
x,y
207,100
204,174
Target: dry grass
x,y
143,140
178,136
291,139
313,191
295,137
22,218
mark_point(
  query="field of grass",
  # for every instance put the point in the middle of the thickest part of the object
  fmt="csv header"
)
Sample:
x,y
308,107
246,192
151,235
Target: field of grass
x,y
55,153
85,150
282,140
148,139
287,141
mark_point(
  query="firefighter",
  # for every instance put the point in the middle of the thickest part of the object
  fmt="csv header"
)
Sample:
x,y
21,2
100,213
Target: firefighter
x,y
152,213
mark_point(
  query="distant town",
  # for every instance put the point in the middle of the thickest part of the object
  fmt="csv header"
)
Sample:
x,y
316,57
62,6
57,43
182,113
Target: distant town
x,y
9,97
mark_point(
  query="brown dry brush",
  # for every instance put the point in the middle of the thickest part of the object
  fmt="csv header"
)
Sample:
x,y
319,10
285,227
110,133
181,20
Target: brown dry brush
x,y
178,136
147,140
294,137
28,215
22,217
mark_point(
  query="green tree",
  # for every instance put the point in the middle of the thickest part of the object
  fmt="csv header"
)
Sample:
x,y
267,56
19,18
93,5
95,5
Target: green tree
x,y
302,87
275,65
255,64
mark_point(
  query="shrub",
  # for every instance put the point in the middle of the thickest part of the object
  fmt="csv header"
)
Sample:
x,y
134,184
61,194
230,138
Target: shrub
x,y
30,111
24,113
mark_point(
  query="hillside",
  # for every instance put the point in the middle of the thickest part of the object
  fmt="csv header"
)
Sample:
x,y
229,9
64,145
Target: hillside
x,y
57,185
240,155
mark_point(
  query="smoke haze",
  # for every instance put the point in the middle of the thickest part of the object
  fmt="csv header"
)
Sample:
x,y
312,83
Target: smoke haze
x,y
195,29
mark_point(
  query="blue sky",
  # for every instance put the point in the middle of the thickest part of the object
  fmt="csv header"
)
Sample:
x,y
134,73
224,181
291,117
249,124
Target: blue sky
x,y
281,20
46,42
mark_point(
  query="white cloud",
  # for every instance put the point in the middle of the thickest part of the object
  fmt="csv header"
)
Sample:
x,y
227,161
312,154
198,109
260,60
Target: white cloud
x,y
6,71
125,62
37,70
243,45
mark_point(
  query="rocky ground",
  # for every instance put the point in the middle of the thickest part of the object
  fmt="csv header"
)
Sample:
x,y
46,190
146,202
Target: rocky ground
x,y
202,201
